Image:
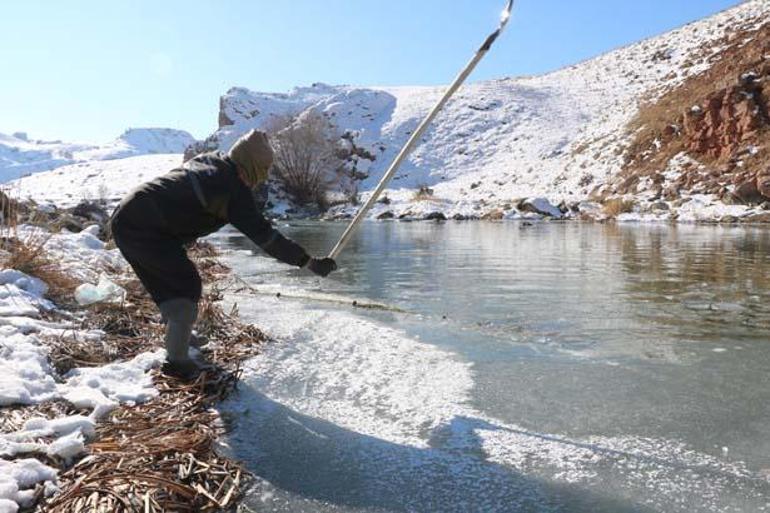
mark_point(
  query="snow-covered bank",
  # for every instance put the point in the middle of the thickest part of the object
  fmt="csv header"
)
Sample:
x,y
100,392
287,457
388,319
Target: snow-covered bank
x,y
83,410
108,180
28,321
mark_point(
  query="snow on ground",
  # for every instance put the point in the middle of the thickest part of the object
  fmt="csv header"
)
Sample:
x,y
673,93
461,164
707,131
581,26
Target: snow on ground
x,y
26,377
107,179
21,156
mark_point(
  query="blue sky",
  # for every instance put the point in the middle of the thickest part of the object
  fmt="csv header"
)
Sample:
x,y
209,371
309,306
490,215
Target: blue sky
x,y
85,70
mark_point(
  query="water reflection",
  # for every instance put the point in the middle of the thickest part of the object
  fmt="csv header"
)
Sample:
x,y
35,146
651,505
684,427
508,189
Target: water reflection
x,y
572,285
579,328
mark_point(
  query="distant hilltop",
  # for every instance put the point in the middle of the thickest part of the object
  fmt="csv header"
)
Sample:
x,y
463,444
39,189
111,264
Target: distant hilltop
x,y
20,155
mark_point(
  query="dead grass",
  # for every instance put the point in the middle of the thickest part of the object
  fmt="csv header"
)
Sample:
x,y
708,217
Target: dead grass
x,y
615,206
14,417
204,254
27,253
159,456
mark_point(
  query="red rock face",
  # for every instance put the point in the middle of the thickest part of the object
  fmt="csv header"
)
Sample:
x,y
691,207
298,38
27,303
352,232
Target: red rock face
x,y
727,120
720,119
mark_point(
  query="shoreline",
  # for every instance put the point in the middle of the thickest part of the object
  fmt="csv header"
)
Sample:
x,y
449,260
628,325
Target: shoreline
x,y
731,222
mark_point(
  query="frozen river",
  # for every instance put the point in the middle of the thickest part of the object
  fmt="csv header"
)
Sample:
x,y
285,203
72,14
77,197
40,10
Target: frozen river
x,y
551,367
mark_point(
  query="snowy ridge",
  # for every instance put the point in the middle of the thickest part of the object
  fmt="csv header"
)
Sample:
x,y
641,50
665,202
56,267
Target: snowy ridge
x,y
560,135
20,156
504,149
107,180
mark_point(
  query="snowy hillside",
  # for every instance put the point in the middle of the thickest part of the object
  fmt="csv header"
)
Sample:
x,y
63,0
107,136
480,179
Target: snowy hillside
x,y
562,135
107,180
20,156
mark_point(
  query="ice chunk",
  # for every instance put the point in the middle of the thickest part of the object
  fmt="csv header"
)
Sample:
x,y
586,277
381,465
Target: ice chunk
x,y
104,292
93,230
24,282
89,240
25,473
15,479
85,397
60,426
8,506
126,382
25,376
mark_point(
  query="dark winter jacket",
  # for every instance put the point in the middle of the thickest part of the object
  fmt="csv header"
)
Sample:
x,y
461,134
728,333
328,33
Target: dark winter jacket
x,y
204,195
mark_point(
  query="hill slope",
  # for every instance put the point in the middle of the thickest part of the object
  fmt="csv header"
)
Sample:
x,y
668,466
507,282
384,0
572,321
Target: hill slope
x,y
104,180
564,135
20,156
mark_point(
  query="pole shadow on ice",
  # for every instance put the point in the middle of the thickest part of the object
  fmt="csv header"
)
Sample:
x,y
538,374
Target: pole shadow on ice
x,y
318,466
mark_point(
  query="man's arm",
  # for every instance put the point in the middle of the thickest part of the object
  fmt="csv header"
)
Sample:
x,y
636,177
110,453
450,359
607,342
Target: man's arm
x,y
248,219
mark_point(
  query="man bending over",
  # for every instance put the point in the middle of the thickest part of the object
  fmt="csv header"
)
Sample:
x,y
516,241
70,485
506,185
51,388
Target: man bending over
x,y
152,225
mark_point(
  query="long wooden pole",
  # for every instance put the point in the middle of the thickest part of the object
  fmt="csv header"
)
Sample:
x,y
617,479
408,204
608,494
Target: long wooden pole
x,y
417,135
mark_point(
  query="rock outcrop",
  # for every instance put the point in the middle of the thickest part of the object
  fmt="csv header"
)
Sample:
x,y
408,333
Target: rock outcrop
x,y
731,118
711,134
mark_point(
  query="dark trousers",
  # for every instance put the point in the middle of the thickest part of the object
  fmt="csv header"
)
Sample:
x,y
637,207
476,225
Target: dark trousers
x,y
158,258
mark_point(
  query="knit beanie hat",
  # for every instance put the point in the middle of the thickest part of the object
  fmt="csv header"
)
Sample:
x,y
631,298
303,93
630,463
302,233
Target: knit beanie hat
x,y
253,155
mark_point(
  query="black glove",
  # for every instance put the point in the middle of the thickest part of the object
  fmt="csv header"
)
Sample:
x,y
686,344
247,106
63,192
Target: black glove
x,y
322,266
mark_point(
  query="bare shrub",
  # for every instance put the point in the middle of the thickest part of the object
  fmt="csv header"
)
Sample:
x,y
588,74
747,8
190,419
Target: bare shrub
x,y
103,194
10,210
423,193
306,157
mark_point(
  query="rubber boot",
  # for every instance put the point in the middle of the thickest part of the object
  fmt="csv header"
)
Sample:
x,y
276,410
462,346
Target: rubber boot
x,y
197,340
180,315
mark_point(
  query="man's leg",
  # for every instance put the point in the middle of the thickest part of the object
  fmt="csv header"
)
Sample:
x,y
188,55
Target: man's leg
x,y
163,267
175,286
